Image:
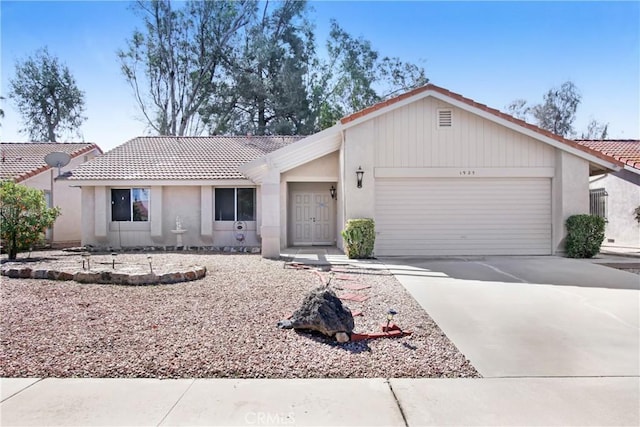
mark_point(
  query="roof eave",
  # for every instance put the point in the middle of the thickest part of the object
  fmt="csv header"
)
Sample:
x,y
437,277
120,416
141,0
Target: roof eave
x,y
33,172
110,182
293,155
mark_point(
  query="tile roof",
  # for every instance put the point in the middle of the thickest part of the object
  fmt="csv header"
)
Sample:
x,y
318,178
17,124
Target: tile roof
x,y
474,104
180,158
22,160
624,150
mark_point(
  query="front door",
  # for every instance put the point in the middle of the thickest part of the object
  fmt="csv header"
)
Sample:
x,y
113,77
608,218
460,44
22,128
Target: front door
x,y
313,215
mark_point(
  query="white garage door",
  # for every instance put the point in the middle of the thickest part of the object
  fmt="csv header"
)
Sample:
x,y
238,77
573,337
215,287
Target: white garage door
x,y
479,216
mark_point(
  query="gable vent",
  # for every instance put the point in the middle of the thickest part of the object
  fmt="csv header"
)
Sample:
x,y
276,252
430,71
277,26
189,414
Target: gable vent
x,y
445,118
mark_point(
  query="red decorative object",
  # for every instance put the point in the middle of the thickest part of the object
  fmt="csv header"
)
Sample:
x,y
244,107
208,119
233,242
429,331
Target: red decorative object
x,y
393,331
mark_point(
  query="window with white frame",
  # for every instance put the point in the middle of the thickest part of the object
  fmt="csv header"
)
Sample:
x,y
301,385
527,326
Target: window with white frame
x,y
130,204
235,204
598,202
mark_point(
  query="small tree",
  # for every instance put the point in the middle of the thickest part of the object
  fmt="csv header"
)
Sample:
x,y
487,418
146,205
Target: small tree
x,y
24,216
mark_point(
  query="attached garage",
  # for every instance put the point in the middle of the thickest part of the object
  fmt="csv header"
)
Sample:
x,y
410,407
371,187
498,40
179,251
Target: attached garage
x,y
441,175
463,216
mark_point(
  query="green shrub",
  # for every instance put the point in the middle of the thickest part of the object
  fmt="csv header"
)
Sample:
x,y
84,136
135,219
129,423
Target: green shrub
x,y
585,234
24,217
359,238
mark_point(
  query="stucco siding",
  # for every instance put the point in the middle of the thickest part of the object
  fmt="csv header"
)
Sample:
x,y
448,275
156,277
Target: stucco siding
x,y
359,152
409,137
66,196
623,189
88,218
43,181
324,168
570,194
193,204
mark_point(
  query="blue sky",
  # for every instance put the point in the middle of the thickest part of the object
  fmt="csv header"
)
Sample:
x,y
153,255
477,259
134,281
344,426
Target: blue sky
x,y
492,52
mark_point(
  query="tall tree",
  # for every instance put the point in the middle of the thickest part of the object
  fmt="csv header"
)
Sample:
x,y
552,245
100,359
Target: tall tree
x,y
355,76
270,74
47,96
558,110
519,109
177,66
596,130
557,113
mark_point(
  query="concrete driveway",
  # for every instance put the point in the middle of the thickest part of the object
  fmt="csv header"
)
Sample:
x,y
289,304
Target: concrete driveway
x,y
531,316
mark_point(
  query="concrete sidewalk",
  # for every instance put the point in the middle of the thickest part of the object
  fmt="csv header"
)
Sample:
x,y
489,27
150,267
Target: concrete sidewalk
x,y
322,402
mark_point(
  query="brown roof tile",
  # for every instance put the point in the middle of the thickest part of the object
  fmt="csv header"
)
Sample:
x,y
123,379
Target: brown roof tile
x,y
479,106
624,150
22,160
180,158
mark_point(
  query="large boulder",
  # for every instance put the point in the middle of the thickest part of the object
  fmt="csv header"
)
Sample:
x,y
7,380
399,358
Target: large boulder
x,y
322,311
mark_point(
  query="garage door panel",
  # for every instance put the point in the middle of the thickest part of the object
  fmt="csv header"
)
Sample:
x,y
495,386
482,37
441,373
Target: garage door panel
x,y
484,216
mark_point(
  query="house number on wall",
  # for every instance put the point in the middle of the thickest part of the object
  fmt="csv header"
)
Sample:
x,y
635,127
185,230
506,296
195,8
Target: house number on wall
x,y
467,172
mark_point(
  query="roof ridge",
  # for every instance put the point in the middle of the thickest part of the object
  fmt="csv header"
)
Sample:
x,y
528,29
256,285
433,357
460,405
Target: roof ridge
x,y
483,107
609,140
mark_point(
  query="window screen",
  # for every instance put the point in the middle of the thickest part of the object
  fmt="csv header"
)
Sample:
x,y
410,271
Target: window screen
x,y
225,204
140,207
120,205
246,204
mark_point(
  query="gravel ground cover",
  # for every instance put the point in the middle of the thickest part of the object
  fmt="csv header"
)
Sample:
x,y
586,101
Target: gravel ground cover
x,y
221,326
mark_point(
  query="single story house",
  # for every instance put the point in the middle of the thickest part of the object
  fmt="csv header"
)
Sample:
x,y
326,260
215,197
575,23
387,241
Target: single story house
x,y
167,191
24,163
616,195
439,173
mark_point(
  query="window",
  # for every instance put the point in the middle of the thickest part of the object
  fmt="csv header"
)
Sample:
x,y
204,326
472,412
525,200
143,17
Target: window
x,y
131,204
235,204
598,202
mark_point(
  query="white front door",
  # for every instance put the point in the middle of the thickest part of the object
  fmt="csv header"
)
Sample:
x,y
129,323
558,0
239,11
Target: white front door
x,y
313,215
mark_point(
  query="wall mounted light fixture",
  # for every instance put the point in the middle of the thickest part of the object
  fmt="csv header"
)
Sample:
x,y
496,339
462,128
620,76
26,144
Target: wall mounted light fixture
x,y
332,191
359,174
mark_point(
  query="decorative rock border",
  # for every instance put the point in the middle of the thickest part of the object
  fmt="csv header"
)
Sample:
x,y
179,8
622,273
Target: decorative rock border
x,y
108,277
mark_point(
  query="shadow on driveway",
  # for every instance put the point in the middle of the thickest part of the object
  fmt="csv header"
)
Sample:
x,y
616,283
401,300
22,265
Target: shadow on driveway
x,y
533,270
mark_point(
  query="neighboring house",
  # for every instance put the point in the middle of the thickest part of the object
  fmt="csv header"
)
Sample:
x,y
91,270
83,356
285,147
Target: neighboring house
x,y
616,195
439,173
24,163
136,194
